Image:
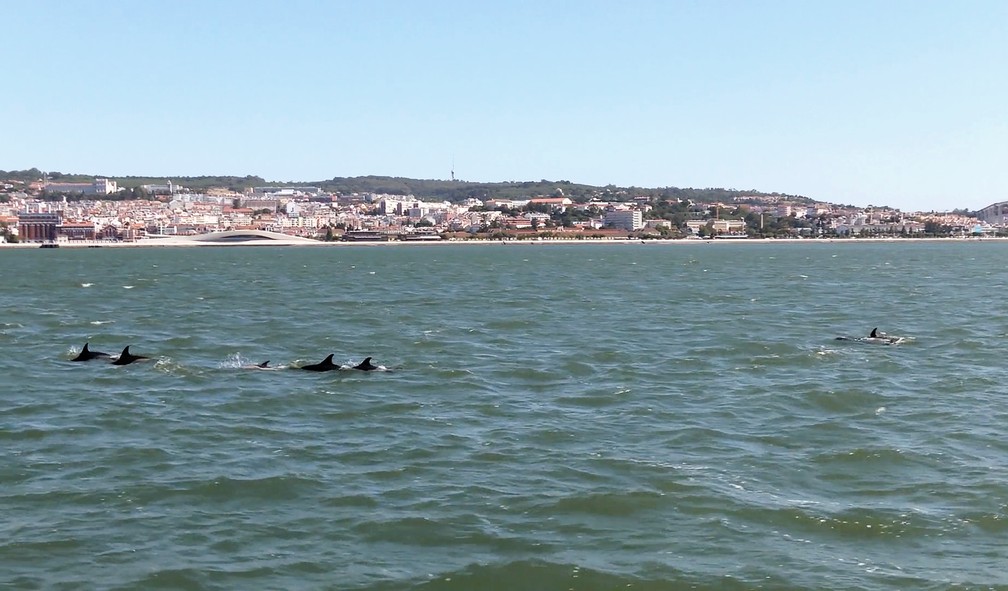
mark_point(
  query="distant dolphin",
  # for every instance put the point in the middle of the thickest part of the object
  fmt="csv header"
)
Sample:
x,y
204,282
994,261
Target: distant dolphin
x,y
882,338
87,354
125,358
365,365
875,337
324,365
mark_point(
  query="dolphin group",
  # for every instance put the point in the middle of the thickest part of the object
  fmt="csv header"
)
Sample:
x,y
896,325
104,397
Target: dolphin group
x,y
328,365
126,358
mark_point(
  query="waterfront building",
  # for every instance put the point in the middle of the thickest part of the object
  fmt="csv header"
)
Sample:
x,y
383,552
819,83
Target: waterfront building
x,y
38,227
656,224
78,230
728,226
717,226
627,219
109,232
860,225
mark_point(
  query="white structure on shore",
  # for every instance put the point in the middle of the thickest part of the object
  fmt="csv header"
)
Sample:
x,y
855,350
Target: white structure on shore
x,y
627,219
732,227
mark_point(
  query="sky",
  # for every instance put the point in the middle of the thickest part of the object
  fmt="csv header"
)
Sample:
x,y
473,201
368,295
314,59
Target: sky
x,y
884,102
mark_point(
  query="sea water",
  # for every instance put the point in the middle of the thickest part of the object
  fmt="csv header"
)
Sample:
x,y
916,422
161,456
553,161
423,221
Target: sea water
x,y
621,416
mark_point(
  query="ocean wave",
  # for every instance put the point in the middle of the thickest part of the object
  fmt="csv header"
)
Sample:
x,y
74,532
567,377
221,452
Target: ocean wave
x,y
223,488
811,522
462,531
683,430
879,456
613,504
541,575
357,500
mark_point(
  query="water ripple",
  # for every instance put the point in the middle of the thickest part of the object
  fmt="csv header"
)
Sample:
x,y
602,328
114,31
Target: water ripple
x,y
571,417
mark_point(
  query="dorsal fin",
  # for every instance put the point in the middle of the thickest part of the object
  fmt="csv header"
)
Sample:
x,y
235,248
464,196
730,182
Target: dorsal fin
x,y
125,358
86,354
324,365
264,363
874,333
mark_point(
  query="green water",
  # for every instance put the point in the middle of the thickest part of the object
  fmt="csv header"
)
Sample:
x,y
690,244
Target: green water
x,y
554,417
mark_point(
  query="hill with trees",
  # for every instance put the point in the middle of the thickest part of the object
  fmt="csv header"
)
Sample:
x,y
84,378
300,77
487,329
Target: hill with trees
x,y
425,189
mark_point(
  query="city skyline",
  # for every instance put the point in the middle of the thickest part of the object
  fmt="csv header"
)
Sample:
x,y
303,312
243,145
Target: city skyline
x,y
894,103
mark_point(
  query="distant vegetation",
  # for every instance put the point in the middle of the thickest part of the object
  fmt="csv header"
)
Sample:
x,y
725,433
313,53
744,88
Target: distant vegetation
x,y
430,190
456,191
669,208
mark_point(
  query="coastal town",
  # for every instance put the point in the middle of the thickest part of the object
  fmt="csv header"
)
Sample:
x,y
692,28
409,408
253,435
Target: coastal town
x,y
50,213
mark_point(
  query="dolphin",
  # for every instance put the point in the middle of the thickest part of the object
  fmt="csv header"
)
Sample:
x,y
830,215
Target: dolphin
x,y
324,365
875,337
87,354
882,338
365,365
125,358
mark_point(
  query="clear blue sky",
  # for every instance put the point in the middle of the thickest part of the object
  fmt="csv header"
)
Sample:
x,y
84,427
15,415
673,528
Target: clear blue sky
x,y
880,102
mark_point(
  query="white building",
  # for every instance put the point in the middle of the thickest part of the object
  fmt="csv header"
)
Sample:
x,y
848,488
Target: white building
x,y
733,227
98,187
287,191
166,189
628,219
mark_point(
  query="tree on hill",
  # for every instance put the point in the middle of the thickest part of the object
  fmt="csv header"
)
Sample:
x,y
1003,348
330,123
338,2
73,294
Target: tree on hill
x,y
433,189
7,234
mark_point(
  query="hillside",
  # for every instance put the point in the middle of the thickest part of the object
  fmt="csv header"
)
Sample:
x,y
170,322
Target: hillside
x,y
426,189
